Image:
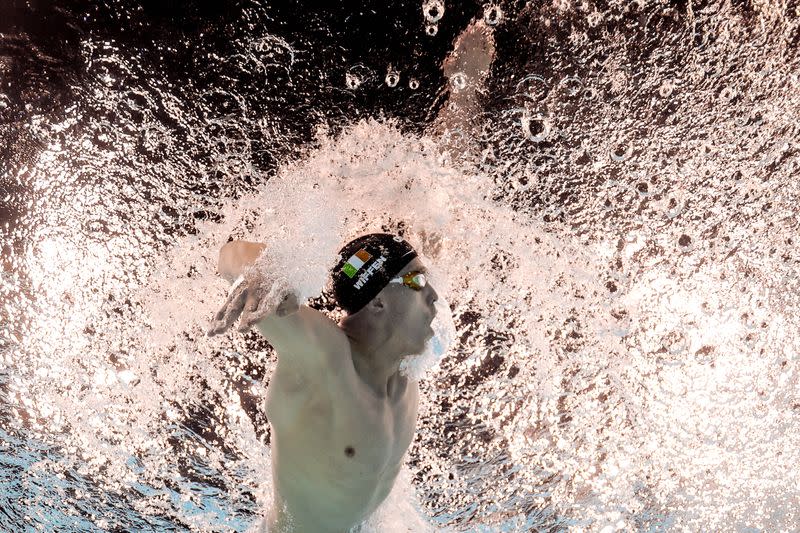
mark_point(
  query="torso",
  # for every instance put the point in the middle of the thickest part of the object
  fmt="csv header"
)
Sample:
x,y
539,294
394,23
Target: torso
x,y
336,447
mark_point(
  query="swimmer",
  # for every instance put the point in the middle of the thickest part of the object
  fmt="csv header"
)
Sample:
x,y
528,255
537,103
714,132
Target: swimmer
x,y
342,414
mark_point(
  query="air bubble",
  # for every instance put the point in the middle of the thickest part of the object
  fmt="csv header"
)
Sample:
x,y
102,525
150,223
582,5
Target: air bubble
x,y
352,81
594,18
536,128
674,208
219,102
619,81
578,38
489,130
431,29
357,75
697,75
752,121
665,91
392,77
433,10
590,93
492,15
458,81
572,84
533,87
562,5
621,152
413,84
727,94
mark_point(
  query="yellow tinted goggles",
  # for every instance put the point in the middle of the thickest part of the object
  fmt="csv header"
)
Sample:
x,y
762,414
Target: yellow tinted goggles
x,y
415,280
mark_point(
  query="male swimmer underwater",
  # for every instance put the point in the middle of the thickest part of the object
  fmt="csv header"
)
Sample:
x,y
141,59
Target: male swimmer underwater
x,y
341,413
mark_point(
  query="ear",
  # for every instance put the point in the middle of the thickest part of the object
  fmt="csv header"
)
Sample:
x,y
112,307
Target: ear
x,y
377,304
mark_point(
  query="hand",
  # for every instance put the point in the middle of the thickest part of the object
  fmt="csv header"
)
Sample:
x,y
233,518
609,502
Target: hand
x,y
252,303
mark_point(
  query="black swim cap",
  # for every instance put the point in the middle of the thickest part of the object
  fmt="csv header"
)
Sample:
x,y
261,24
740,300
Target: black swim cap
x,y
365,266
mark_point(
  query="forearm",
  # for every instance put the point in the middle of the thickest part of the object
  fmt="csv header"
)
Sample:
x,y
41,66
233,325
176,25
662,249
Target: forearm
x,y
236,256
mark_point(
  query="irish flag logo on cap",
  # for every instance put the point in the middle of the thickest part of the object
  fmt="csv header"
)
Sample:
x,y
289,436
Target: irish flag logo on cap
x,y
355,262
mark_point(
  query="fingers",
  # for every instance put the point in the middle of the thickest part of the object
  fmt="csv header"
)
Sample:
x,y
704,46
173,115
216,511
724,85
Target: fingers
x,y
245,323
229,312
251,305
252,300
266,306
258,310
236,305
248,318
237,292
214,330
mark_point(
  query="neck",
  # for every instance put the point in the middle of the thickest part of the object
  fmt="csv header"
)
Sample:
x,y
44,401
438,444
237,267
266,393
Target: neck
x,y
384,380
377,363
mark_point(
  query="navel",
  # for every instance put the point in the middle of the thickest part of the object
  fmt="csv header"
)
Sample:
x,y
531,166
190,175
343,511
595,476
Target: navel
x,y
349,451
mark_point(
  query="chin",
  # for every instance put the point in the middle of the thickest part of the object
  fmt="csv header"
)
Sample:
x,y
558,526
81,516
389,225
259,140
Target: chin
x,y
419,348
424,344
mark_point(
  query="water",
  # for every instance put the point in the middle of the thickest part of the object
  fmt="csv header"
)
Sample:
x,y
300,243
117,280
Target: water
x,y
611,215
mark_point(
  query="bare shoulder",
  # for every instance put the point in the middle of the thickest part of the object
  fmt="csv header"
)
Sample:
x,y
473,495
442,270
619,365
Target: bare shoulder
x,y
307,338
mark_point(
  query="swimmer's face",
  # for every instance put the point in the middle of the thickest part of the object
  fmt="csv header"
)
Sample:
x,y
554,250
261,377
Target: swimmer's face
x,y
412,311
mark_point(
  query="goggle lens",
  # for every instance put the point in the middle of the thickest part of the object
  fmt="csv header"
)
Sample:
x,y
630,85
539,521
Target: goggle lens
x,y
414,280
417,280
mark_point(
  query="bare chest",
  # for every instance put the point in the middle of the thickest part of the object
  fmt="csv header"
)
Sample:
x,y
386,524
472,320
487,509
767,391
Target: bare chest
x,y
335,439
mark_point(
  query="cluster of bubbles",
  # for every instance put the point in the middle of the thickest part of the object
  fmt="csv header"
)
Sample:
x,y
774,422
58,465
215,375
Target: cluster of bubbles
x,y
659,178
433,11
357,75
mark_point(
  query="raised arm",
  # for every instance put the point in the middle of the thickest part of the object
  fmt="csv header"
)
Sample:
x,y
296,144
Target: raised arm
x,y
311,337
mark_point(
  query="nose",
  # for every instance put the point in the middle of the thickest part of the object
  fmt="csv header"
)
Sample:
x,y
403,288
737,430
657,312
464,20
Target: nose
x,y
432,296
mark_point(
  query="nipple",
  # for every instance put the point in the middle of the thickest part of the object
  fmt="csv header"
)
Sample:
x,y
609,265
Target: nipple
x,y
349,451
